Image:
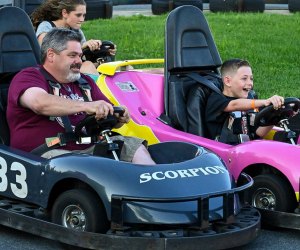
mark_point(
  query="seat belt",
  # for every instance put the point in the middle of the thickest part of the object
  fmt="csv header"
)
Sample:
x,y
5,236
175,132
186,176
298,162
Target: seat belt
x,y
202,80
69,136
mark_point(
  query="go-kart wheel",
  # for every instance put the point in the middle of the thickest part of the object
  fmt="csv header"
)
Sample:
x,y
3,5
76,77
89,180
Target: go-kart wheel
x,y
223,6
253,6
271,192
94,127
269,116
80,210
196,3
99,9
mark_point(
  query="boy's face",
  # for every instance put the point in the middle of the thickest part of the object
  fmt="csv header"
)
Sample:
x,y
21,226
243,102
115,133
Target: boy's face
x,y
238,84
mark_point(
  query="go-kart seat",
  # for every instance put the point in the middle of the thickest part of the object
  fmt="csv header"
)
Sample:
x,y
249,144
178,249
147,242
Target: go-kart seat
x,y
19,49
189,48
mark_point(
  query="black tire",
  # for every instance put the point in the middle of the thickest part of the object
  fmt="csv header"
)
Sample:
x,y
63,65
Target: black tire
x,y
253,5
196,3
84,203
31,5
272,192
28,5
160,7
294,5
98,9
223,5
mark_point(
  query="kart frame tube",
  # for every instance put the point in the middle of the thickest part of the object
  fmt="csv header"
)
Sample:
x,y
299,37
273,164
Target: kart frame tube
x,y
103,241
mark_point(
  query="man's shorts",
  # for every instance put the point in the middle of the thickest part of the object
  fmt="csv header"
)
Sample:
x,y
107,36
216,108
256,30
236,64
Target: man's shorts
x,y
130,146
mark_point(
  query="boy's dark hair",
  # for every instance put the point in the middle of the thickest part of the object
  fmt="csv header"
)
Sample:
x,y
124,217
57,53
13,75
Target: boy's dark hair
x,y
233,65
57,39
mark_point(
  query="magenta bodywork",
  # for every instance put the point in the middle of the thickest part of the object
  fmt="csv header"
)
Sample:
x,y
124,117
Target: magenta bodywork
x,y
143,94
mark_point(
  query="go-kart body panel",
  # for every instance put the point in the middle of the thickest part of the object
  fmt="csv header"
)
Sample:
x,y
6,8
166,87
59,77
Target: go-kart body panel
x,y
32,179
146,105
193,192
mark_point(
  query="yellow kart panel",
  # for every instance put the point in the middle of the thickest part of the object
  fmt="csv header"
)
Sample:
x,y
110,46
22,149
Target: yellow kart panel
x,y
131,128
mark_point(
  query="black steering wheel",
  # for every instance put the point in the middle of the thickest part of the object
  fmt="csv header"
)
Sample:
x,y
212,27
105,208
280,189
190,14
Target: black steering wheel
x,y
269,116
99,55
94,127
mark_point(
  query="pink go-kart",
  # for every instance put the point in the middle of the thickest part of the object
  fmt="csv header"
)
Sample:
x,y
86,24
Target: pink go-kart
x,y
158,100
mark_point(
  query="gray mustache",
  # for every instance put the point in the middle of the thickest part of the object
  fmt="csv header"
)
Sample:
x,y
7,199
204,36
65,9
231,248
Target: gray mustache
x,y
75,65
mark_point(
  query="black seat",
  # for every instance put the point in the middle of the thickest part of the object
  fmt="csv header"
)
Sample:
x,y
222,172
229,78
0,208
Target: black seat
x,y
19,49
189,48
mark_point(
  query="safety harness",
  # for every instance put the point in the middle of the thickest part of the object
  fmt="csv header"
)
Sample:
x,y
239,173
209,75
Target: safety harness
x,y
105,147
235,129
68,136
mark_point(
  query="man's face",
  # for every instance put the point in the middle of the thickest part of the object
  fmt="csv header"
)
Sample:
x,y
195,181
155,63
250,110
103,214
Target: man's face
x,y
74,19
241,82
67,63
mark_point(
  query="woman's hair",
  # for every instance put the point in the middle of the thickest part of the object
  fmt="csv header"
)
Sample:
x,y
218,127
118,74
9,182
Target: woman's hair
x,y
51,10
57,39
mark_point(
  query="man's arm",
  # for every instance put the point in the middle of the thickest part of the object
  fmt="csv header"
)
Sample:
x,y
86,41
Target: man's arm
x,y
42,103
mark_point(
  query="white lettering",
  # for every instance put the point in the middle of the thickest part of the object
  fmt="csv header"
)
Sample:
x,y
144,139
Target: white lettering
x,y
171,174
182,173
20,179
221,169
194,171
20,188
155,176
212,170
3,177
145,177
203,171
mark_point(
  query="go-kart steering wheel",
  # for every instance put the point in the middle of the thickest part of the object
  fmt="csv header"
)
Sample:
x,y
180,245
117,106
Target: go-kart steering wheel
x,y
269,116
102,54
94,127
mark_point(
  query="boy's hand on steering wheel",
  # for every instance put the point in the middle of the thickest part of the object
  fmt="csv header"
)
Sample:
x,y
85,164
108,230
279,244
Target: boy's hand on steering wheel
x,y
276,100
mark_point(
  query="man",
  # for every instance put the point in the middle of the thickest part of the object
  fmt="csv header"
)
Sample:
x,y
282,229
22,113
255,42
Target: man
x,y
33,100
237,80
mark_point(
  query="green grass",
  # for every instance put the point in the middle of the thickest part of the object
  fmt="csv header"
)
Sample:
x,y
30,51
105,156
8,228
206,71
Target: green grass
x,y
270,42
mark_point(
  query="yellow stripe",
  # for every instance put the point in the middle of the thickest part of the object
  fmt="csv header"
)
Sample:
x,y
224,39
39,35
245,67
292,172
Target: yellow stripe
x,y
111,67
131,128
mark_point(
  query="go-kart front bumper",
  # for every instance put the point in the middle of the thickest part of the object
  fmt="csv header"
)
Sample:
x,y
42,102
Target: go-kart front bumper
x,y
241,231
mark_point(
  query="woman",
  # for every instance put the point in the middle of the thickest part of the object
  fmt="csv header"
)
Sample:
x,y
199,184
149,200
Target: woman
x,y
66,14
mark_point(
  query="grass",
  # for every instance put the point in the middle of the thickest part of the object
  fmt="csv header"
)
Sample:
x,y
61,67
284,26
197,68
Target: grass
x,y
269,41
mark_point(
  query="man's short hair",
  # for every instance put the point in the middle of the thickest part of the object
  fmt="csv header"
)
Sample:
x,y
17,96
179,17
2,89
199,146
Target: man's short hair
x,y
57,39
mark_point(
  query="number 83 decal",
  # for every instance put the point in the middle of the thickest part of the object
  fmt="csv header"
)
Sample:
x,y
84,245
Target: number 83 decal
x,y
19,188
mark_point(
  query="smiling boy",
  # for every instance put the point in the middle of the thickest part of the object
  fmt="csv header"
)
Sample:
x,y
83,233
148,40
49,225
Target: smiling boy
x,y
237,80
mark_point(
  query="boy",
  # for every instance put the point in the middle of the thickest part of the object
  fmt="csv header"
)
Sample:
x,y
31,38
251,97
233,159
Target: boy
x,y
221,110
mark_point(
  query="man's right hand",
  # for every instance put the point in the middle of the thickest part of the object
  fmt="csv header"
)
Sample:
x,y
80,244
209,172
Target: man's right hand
x,y
100,108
